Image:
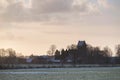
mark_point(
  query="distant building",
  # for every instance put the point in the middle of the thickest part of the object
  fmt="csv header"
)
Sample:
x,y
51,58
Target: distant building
x,y
81,52
81,44
29,60
37,59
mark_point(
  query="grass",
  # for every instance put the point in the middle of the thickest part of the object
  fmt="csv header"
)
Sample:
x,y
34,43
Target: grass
x,y
99,73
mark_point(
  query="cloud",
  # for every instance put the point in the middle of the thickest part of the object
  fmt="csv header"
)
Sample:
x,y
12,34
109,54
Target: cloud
x,y
103,3
46,10
15,12
10,36
7,32
52,6
5,3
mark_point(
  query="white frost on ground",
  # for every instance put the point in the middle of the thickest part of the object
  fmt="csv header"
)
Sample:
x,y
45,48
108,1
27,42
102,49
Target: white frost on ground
x,y
101,73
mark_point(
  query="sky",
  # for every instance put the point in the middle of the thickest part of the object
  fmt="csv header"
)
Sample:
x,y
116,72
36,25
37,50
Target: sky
x,y
31,26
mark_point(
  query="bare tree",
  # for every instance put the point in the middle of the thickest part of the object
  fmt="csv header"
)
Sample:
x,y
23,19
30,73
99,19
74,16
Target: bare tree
x,y
108,51
2,56
11,56
73,46
2,52
118,50
11,52
49,52
52,50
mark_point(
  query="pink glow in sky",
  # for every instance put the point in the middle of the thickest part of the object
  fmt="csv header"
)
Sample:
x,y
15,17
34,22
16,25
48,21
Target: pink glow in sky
x,y
31,26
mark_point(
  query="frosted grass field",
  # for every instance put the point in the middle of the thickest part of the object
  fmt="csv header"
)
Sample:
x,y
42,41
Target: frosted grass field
x,y
100,73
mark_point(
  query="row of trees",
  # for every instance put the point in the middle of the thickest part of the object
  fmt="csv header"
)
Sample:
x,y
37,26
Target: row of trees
x,y
85,55
118,50
9,56
88,55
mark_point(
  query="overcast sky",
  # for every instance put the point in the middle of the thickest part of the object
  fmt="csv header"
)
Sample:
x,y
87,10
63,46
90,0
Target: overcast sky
x,y
31,26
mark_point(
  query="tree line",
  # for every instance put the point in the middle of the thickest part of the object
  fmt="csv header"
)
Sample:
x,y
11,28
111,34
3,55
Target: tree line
x,y
9,57
74,54
88,55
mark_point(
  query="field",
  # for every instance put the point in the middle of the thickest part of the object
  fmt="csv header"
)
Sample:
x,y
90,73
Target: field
x,y
99,73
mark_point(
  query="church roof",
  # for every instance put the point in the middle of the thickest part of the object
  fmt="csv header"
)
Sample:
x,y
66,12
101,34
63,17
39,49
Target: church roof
x,y
81,43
